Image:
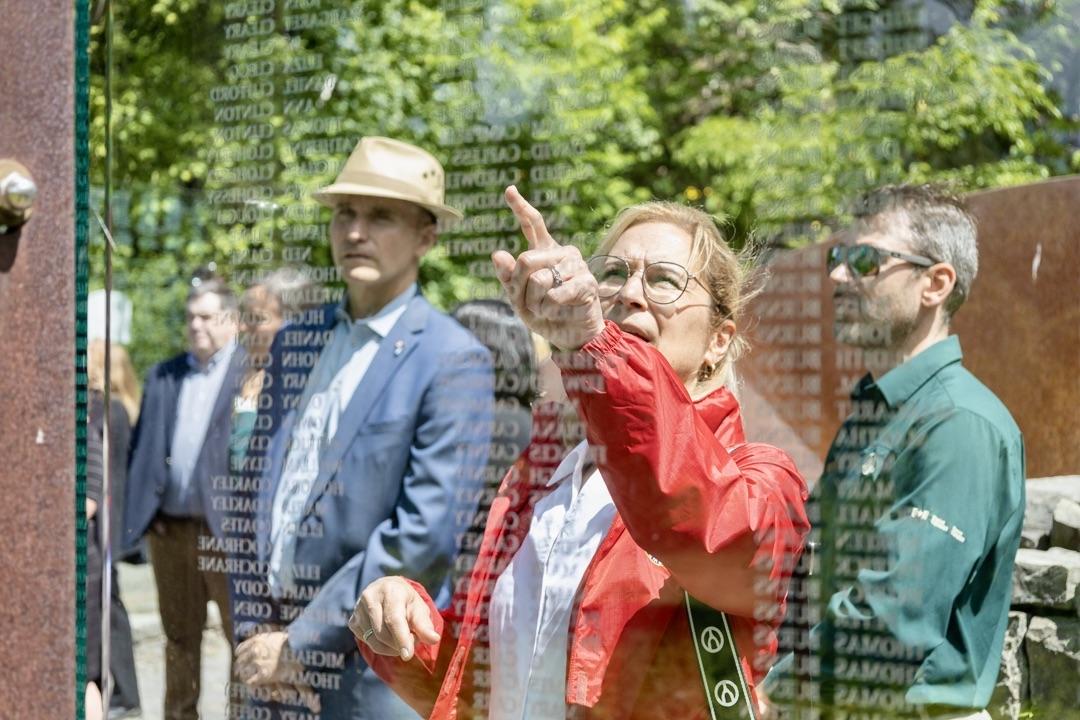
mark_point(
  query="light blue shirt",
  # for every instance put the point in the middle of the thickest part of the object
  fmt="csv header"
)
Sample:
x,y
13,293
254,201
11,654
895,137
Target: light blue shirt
x,y
327,393
198,394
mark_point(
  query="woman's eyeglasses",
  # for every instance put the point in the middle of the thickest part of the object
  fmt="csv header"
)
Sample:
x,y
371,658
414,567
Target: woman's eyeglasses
x,y
663,282
864,260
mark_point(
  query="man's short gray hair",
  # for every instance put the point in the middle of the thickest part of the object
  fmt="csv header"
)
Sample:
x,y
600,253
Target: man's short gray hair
x,y
939,225
291,288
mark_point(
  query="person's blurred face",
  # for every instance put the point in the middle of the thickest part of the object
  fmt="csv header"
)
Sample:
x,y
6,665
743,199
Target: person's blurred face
x,y
209,327
378,242
682,331
260,319
879,310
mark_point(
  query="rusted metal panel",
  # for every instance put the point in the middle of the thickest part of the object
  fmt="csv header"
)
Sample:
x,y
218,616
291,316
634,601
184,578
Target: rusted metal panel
x,y
1021,329
37,367
1020,332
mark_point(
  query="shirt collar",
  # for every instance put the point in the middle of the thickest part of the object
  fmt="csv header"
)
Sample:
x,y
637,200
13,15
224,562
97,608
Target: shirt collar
x,y
223,354
571,465
382,322
901,382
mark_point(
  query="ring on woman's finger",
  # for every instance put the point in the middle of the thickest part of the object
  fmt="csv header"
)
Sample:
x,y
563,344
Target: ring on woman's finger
x,y
367,634
556,278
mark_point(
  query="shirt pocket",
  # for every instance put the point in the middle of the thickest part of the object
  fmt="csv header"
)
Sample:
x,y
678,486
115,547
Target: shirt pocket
x,y
377,458
392,427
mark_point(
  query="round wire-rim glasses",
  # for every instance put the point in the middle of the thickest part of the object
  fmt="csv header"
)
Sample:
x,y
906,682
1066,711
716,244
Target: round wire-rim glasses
x,y
663,282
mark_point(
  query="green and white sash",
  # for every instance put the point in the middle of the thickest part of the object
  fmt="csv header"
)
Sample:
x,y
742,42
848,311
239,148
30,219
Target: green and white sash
x,y
722,677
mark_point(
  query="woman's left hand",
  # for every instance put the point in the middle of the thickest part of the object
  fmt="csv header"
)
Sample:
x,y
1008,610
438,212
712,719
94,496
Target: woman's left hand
x,y
549,285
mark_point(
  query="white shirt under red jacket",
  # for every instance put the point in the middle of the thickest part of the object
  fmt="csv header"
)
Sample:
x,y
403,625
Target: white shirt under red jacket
x,y
698,509
533,599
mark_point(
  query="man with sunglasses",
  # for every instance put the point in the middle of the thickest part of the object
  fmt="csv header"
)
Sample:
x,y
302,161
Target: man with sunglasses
x,y
917,515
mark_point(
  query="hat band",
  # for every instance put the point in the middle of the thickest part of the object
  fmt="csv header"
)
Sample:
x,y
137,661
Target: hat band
x,y
385,182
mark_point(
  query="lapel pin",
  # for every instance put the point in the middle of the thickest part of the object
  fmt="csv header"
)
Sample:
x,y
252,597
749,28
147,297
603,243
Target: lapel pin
x,y
399,347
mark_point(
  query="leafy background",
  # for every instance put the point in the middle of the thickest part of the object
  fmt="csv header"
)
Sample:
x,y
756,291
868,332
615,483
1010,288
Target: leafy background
x,y
756,111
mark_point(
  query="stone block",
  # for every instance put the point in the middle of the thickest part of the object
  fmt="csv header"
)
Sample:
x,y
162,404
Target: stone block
x,y
1046,579
1053,650
1011,690
1043,495
1065,532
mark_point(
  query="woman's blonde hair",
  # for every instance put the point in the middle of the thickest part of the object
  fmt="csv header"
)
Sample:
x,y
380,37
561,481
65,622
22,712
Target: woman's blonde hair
x,y
731,278
125,385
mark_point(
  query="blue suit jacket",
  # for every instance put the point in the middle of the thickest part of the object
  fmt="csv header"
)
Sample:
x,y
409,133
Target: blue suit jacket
x,y
395,487
151,444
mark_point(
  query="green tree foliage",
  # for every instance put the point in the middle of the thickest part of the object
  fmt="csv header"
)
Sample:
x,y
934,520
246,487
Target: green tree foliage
x,y
970,110
756,110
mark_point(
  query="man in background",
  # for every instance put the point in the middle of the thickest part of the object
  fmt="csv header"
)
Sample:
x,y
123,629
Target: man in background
x,y
180,445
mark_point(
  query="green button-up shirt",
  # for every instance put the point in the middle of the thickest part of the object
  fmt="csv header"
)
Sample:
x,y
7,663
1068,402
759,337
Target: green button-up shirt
x,y
917,521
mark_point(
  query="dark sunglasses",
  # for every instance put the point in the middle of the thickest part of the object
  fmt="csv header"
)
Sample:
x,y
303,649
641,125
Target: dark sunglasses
x,y
863,260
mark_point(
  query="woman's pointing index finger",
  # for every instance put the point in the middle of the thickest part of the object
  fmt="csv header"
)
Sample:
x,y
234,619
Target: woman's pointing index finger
x,y
532,222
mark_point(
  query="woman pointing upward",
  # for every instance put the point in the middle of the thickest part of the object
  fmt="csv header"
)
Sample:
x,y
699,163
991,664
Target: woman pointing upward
x,y
643,575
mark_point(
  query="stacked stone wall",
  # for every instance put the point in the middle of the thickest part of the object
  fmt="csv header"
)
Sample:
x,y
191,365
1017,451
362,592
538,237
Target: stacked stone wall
x,y
1040,664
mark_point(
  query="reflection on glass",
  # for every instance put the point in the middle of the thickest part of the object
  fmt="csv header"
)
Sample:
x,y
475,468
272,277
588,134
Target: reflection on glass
x,y
308,185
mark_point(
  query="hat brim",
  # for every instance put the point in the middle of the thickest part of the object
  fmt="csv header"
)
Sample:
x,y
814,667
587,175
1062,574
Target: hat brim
x,y
327,195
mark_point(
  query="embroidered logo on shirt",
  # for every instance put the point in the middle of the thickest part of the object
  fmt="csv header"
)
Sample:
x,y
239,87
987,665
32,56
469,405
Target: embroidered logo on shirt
x,y
938,523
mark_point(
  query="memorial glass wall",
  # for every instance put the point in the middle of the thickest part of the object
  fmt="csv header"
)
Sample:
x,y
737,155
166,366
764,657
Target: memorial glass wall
x,y
292,194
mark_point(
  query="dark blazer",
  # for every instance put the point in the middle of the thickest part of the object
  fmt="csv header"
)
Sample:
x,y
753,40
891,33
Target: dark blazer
x,y
396,485
151,444
119,447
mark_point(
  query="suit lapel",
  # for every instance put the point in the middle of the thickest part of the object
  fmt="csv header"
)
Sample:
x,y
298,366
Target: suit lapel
x,y
223,405
393,351
214,453
276,455
171,398
281,439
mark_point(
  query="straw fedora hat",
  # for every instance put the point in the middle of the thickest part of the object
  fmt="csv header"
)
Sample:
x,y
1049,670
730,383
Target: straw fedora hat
x,y
386,168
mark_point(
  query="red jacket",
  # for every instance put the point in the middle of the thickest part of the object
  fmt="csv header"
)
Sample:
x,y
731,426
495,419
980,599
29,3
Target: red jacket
x,y
699,509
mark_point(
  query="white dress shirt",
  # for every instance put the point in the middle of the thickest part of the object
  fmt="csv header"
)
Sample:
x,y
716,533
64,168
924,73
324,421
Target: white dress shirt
x,y
534,596
341,366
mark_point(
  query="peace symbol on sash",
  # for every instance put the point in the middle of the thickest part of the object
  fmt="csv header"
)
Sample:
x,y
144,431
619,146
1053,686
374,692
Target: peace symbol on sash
x,y
722,680
726,693
712,639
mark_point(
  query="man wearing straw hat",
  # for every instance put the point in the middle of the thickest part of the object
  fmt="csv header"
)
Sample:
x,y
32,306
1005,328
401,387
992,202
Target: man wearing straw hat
x,y
373,427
